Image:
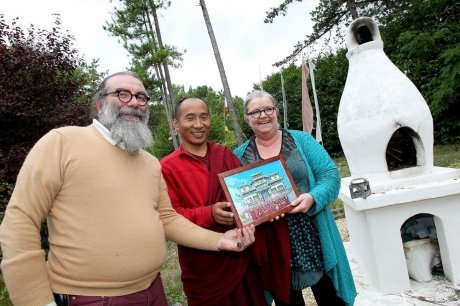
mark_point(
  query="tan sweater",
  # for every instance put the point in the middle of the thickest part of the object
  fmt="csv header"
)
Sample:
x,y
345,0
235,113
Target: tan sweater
x,y
108,214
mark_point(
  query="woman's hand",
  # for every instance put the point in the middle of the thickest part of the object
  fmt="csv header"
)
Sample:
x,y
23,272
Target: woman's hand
x,y
237,240
302,204
221,214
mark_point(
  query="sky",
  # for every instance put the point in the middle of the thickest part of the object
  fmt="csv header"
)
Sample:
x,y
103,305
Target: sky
x,y
247,45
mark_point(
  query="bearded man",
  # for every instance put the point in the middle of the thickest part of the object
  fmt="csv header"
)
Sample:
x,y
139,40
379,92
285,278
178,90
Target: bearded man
x,y
107,209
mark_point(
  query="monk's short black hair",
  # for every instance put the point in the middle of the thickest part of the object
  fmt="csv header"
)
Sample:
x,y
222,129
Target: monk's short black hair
x,y
179,103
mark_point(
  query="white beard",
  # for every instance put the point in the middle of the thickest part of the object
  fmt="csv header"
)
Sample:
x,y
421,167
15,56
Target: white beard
x,y
130,135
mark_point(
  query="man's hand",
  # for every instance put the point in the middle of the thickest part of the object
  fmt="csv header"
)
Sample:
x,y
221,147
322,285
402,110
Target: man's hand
x,y
302,204
237,239
221,214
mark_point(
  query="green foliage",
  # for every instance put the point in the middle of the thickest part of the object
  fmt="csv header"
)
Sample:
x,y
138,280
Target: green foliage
x,y
330,19
133,22
330,75
92,78
170,275
221,127
239,107
447,155
293,87
424,43
421,37
163,144
42,82
4,297
219,134
6,189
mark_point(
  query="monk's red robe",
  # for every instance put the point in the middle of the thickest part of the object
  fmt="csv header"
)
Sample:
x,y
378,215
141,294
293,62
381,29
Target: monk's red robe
x,y
193,186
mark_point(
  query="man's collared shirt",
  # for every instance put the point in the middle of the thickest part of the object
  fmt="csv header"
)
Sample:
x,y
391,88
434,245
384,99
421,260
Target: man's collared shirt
x,y
104,131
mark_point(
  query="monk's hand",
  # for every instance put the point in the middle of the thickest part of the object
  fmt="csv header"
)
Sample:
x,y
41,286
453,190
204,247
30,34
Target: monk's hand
x,y
237,239
221,213
302,204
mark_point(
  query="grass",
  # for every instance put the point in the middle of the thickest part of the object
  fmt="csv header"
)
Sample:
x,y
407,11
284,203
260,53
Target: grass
x,y
447,156
170,275
4,298
444,156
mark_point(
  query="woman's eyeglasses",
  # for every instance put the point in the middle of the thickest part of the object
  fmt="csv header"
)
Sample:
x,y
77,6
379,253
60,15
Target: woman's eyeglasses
x,y
258,112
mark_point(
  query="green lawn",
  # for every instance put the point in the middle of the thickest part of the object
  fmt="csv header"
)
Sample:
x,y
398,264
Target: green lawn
x,y
444,156
4,299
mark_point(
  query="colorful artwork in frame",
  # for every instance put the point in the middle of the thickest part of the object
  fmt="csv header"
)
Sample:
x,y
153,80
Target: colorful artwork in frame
x,y
260,191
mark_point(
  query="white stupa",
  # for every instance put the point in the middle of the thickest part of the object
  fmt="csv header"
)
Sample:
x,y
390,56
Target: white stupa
x,y
386,131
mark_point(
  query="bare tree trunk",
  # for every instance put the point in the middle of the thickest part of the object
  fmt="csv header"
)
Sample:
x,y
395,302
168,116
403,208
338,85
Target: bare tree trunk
x,y
164,91
167,106
220,65
160,43
351,5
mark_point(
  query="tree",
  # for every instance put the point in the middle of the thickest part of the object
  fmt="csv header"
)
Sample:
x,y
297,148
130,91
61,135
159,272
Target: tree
x,y
44,84
218,134
231,107
293,88
164,63
132,22
424,42
331,17
330,75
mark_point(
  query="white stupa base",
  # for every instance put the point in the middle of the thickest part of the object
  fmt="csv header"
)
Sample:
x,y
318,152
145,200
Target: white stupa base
x,y
438,291
374,225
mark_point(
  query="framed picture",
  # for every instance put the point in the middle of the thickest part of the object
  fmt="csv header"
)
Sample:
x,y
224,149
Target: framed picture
x,y
259,192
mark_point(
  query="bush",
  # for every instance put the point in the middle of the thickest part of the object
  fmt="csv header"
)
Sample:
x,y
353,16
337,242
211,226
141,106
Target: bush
x,y
41,85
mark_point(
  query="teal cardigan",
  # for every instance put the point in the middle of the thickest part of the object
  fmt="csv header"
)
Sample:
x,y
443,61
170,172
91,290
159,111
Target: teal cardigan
x,y
324,180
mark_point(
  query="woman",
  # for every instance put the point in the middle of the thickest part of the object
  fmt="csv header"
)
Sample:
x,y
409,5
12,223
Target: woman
x,y
304,249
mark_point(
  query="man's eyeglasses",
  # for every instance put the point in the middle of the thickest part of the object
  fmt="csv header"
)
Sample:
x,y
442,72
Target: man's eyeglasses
x,y
125,96
258,112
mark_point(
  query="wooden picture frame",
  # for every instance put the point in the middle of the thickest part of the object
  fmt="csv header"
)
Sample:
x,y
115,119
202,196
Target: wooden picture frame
x,y
260,191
